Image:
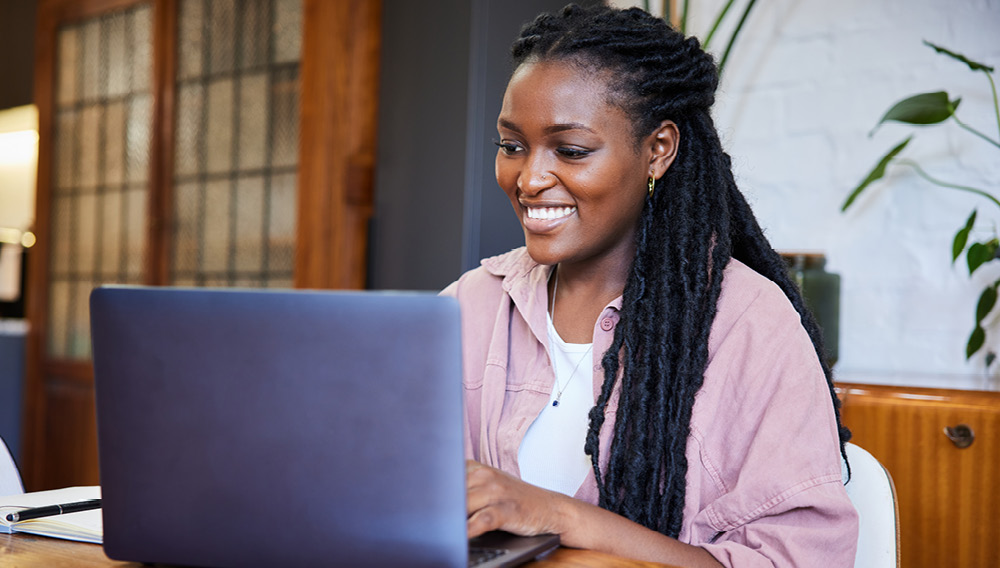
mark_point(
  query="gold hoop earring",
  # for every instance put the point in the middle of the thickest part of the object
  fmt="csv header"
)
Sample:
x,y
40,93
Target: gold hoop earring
x,y
649,186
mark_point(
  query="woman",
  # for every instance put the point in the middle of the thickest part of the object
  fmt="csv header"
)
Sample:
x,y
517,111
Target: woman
x,y
642,377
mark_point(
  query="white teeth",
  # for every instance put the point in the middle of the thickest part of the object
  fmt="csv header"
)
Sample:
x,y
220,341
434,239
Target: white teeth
x,y
549,212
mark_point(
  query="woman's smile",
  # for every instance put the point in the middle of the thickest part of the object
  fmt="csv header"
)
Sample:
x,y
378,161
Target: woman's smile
x,y
539,220
549,213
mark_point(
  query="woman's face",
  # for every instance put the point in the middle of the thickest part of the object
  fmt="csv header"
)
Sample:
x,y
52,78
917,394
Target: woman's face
x,y
569,163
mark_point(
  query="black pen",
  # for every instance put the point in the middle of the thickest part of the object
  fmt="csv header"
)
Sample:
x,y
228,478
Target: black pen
x,y
50,510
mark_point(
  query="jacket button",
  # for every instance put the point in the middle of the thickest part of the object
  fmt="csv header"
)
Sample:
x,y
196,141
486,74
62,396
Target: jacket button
x,y
607,324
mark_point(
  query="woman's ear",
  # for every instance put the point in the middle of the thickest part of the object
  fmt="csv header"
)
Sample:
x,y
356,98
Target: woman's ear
x,y
663,144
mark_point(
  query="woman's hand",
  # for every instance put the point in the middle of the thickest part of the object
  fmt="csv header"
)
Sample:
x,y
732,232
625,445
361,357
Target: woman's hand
x,y
500,501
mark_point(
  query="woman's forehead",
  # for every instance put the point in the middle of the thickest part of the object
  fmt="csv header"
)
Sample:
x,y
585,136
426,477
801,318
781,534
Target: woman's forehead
x,y
557,92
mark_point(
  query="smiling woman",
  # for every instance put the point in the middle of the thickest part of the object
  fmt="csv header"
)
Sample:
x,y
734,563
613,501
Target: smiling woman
x,y
706,429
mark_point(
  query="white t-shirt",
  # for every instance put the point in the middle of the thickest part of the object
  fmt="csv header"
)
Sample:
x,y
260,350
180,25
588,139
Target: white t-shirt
x,y
551,454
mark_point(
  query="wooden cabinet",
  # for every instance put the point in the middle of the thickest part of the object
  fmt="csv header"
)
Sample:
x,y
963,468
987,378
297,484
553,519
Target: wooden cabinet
x,y
949,497
194,143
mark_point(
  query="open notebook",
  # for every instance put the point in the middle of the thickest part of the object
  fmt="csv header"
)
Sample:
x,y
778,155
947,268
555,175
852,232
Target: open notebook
x,y
84,526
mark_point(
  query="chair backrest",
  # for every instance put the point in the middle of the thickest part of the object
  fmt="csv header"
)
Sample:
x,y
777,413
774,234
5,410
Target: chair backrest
x,y
874,496
10,479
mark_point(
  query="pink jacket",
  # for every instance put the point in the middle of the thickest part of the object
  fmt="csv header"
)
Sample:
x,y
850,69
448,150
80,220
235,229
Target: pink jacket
x,y
763,457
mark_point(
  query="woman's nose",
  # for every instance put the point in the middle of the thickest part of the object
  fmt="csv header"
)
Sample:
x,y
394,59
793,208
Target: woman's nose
x,y
535,176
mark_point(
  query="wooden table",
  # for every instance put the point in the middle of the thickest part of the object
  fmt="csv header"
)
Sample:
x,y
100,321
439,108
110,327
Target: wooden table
x,y
28,551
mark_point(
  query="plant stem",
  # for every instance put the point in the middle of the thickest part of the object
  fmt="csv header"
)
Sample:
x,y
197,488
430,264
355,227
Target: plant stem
x,y
718,20
736,32
684,17
927,176
976,132
996,107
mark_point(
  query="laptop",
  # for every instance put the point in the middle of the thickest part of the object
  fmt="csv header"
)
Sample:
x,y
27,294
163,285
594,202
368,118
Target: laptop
x,y
284,428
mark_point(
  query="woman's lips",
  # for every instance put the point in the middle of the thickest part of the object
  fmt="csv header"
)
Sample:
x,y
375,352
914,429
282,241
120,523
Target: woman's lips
x,y
544,219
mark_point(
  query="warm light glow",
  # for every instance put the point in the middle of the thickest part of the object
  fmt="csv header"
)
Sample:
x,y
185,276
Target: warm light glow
x,y
18,166
19,147
13,236
8,235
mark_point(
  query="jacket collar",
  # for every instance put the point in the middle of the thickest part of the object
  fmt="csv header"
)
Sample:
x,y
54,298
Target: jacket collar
x,y
512,265
526,281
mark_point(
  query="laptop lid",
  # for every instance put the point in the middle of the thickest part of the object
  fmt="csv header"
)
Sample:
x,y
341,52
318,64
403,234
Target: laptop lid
x,y
279,428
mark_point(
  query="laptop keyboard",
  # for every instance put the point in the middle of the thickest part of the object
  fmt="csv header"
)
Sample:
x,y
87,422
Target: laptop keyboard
x,y
479,556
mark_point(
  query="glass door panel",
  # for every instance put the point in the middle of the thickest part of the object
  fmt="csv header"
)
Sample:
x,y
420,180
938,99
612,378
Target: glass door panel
x,y
100,171
235,155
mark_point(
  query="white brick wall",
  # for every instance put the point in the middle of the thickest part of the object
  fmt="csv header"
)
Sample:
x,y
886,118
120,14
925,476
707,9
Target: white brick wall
x,y
806,83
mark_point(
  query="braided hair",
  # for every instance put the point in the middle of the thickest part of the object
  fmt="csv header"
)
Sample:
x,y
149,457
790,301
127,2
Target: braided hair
x,y
685,238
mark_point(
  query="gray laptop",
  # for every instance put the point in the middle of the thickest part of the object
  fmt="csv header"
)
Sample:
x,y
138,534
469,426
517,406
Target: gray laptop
x,y
283,428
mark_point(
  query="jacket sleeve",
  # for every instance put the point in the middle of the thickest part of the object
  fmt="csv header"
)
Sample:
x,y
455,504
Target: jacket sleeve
x,y
764,472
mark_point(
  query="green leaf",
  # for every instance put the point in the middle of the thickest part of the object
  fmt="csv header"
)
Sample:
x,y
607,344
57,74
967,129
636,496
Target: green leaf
x,y
972,64
962,238
990,357
980,253
974,257
925,108
715,25
991,249
877,172
976,341
735,34
987,300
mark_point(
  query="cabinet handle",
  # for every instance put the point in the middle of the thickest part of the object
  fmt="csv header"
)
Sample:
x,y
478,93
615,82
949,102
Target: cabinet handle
x,y
961,435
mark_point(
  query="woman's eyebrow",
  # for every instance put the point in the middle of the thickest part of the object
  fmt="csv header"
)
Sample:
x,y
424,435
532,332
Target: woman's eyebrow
x,y
562,127
507,125
551,129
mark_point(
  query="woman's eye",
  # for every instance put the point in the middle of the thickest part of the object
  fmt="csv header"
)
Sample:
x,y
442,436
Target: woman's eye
x,y
508,148
569,152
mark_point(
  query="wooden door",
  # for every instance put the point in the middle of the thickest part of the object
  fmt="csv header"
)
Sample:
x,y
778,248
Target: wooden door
x,y
187,142
948,496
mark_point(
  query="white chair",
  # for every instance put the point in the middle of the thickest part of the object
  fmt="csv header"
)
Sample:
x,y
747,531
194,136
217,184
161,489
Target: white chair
x,y
10,479
874,496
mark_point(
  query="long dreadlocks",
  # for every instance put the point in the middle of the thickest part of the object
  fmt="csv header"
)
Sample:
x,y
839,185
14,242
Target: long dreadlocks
x,y
686,236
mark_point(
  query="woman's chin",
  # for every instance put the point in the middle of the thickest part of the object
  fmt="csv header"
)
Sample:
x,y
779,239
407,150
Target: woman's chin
x,y
542,254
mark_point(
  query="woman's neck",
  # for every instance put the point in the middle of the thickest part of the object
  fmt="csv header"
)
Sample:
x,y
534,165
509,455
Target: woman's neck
x,y
578,296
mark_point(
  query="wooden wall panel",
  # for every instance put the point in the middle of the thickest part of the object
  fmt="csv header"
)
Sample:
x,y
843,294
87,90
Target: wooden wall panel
x,y
340,62
70,443
948,497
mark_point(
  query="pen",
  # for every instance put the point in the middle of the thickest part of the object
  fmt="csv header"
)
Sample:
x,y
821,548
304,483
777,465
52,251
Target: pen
x,y
50,510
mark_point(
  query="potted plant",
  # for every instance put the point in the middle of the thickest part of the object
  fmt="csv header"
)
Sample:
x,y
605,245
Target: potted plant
x,y
934,109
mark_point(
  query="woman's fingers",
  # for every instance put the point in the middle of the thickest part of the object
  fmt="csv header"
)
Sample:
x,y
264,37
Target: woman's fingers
x,y
497,500
484,494
480,522
485,485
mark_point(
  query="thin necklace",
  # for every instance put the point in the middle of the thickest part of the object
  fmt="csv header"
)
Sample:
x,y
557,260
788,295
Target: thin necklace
x,y
552,314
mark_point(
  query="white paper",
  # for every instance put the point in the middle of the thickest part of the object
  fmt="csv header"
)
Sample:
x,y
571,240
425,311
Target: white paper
x,y
84,526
